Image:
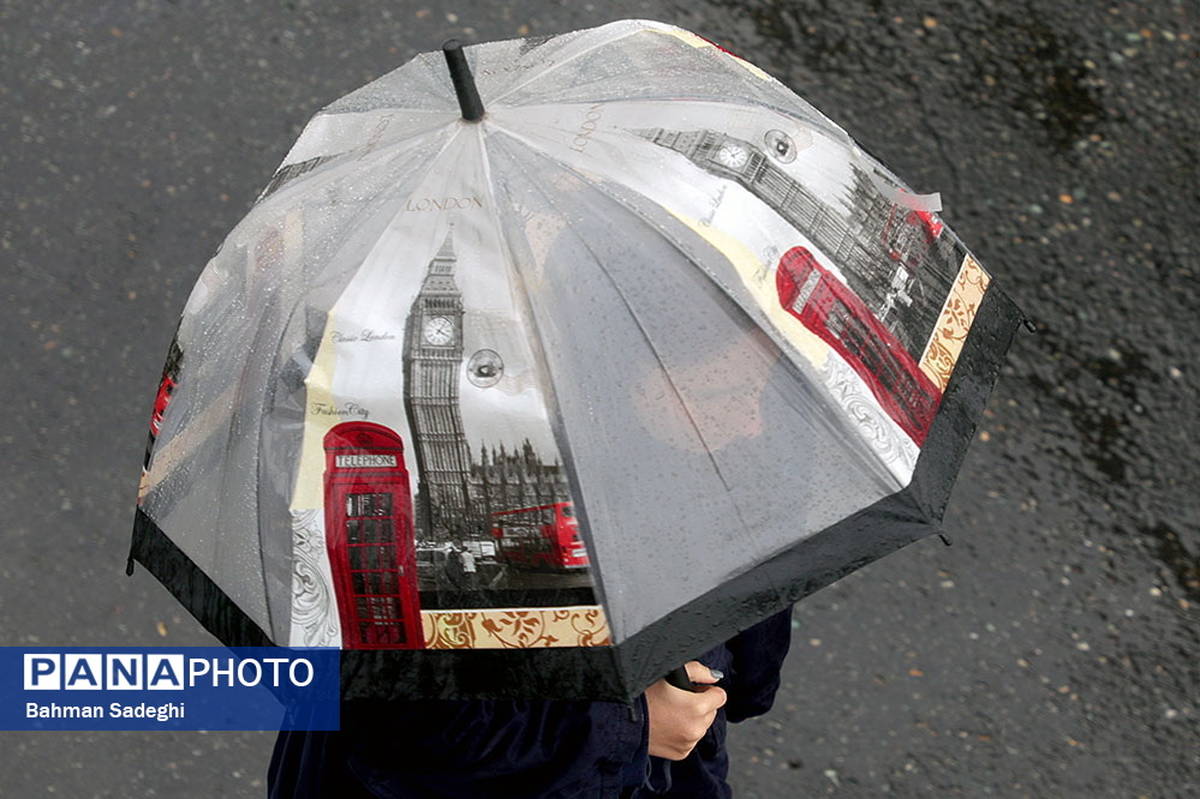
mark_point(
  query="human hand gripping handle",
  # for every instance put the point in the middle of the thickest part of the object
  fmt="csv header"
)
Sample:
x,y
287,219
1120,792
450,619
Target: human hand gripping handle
x,y
679,718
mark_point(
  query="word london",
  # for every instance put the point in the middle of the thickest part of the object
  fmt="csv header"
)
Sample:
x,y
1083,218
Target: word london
x,y
136,672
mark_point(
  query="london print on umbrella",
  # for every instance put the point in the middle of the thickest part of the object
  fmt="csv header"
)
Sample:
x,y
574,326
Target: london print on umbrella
x,y
883,309
853,275
446,518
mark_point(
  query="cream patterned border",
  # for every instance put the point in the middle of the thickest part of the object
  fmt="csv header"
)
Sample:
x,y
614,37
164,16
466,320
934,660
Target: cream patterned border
x,y
515,628
955,321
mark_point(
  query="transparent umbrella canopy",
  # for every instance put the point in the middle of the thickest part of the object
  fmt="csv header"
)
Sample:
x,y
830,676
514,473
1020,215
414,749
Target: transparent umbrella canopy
x,y
544,387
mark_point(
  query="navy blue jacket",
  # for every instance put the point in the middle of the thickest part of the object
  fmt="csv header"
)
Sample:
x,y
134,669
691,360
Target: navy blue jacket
x,y
519,749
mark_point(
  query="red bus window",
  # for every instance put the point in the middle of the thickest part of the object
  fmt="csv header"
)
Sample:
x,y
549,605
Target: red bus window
x,y
545,537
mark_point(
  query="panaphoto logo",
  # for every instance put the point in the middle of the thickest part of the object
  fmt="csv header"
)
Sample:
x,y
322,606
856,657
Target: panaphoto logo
x,y
52,671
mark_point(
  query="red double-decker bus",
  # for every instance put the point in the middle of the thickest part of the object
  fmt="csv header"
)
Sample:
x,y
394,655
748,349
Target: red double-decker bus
x,y
543,537
161,399
907,235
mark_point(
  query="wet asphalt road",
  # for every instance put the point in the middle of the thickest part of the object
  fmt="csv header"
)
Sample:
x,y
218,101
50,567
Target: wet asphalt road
x,y
1051,652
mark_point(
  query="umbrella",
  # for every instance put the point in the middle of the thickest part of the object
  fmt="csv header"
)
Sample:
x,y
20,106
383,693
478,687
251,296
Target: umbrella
x,y
543,373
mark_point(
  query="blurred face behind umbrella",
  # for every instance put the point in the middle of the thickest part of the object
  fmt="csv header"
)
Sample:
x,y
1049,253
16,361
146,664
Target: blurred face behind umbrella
x,y
718,396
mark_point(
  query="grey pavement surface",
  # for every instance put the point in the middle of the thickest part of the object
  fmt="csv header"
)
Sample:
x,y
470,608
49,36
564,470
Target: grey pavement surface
x,y
1051,652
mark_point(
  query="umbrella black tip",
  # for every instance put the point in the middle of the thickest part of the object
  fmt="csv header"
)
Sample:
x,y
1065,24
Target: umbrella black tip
x,y
464,82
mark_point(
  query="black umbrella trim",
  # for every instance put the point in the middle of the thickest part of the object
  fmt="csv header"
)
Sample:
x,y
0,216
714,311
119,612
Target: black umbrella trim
x,y
203,598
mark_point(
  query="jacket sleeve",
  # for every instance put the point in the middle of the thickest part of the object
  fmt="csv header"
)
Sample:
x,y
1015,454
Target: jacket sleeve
x,y
758,655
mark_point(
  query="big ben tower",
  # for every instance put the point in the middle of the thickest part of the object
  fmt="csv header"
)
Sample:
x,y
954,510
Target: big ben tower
x,y
433,351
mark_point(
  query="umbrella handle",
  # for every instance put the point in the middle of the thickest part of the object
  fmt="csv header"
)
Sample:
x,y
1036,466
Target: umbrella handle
x,y
680,679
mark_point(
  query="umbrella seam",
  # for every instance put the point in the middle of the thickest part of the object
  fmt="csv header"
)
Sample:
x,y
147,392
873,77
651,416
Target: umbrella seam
x,y
645,335
827,124
327,170
554,67
549,390
297,303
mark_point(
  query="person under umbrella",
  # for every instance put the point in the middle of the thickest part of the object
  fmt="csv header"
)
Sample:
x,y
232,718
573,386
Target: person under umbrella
x,y
630,271
668,743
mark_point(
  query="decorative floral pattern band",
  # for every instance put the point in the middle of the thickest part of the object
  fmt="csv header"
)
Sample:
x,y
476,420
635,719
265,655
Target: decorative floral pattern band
x,y
955,322
582,625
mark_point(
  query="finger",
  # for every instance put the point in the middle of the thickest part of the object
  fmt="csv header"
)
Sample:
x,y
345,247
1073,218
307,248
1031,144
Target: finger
x,y
715,696
701,674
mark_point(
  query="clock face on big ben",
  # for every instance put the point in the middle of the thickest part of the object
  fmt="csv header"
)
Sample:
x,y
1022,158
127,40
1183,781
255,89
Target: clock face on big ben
x,y
439,331
733,156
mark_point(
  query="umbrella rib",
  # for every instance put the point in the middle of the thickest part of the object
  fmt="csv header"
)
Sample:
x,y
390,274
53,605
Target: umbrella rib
x,y
550,392
228,476
332,169
645,335
297,304
555,66
273,387
747,528
826,125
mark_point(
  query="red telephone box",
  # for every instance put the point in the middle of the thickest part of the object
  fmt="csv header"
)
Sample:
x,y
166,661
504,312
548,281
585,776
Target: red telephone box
x,y
809,292
369,537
